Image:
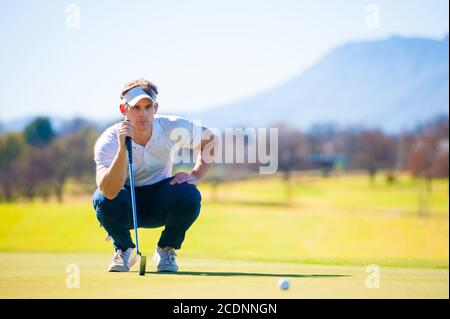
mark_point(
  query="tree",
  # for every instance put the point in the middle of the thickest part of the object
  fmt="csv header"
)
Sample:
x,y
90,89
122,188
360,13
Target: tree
x,y
428,158
73,156
12,148
374,151
36,173
292,147
39,132
428,155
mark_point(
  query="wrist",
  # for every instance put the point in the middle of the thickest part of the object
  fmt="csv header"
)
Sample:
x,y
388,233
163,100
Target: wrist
x,y
196,175
122,148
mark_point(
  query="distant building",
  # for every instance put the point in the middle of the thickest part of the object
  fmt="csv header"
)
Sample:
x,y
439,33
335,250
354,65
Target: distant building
x,y
326,162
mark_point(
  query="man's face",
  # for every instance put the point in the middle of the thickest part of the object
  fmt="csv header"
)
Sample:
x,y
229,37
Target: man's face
x,y
141,115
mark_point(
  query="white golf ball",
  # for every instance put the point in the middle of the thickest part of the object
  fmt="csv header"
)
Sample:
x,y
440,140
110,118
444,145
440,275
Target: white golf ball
x,y
283,284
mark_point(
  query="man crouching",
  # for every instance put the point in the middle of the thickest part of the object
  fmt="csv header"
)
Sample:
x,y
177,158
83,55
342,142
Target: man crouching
x,y
161,199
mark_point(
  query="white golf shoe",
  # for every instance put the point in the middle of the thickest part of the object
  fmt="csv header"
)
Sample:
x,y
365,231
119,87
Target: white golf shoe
x,y
122,260
165,258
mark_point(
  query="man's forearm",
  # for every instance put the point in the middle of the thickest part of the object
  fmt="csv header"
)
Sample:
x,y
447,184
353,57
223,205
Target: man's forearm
x,y
115,176
208,152
201,168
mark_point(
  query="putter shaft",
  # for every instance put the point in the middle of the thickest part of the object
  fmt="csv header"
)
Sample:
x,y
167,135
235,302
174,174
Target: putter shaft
x,y
133,196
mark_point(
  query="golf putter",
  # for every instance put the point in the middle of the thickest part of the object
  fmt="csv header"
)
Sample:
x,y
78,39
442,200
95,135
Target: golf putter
x,y
143,259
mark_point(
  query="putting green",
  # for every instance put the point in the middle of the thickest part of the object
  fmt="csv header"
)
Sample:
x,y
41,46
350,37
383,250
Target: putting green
x,y
43,275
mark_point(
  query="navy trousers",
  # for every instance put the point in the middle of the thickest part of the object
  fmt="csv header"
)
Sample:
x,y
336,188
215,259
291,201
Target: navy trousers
x,y
174,206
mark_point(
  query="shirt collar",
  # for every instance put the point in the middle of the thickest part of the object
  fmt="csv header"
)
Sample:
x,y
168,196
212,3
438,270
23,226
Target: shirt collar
x,y
156,134
157,131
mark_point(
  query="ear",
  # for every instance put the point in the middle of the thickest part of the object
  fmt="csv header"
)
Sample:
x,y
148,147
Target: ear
x,y
122,109
156,107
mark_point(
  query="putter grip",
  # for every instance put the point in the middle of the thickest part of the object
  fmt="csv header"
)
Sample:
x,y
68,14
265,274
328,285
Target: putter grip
x,y
129,149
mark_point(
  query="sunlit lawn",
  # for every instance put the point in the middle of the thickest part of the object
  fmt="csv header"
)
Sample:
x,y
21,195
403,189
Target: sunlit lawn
x,y
339,220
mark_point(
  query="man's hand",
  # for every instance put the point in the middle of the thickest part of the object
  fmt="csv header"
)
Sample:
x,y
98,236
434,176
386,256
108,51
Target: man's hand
x,y
182,177
124,129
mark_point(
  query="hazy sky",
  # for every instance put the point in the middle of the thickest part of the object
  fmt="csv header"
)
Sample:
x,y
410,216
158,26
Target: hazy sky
x,y
201,54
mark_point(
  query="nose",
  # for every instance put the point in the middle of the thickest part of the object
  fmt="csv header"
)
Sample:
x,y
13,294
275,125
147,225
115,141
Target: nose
x,y
143,113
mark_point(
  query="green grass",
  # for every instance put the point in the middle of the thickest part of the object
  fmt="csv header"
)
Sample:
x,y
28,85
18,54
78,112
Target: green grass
x,y
326,222
340,224
349,193
43,275
231,231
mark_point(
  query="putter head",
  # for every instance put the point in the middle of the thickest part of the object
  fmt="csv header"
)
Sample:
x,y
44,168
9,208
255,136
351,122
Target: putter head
x,y
142,265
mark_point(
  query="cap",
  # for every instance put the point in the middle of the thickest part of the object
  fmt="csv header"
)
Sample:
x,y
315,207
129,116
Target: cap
x,y
136,94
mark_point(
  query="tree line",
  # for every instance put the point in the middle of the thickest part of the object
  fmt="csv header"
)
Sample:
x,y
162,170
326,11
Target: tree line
x,y
38,161
422,151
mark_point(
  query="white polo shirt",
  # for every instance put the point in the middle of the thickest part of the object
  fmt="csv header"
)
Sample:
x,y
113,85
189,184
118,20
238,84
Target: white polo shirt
x,y
152,162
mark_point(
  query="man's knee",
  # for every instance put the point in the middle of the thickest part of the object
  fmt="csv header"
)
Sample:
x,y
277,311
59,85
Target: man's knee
x,y
188,199
187,193
111,207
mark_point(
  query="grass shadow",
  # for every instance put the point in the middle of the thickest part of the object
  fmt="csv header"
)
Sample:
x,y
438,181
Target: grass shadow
x,y
242,274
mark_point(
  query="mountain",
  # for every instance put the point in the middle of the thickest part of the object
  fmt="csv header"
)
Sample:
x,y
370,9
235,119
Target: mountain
x,y
390,84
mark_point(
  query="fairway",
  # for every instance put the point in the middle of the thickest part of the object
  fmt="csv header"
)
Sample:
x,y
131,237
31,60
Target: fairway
x,y
244,241
40,275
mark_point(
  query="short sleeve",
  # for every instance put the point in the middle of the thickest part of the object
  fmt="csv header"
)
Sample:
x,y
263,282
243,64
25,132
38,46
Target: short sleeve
x,y
106,148
188,133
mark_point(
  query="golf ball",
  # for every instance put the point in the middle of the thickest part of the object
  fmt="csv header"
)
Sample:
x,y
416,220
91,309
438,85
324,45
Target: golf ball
x,y
283,284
